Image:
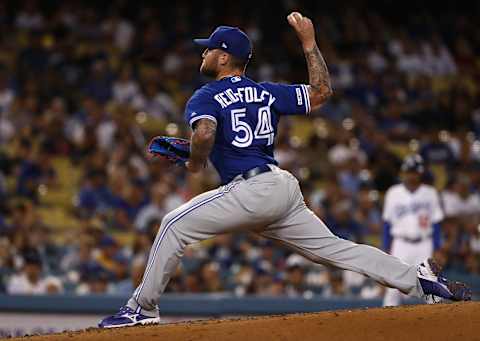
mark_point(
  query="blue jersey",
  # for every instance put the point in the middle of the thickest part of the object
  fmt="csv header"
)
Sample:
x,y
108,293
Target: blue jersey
x,y
247,115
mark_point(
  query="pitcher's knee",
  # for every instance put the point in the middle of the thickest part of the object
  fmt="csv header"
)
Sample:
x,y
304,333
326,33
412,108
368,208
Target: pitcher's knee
x,y
167,223
166,228
168,219
182,228
175,230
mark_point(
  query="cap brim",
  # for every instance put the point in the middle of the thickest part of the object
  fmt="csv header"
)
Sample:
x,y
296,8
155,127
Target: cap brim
x,y
202,42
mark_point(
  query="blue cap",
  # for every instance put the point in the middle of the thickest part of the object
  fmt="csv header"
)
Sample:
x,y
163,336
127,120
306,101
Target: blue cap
x,y
413,163
229,39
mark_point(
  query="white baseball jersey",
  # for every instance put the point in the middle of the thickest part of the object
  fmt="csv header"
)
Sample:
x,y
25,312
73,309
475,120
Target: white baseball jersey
x,y
455,205
411,214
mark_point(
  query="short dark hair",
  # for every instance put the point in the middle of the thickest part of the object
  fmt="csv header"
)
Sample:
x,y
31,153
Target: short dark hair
x,y
31,256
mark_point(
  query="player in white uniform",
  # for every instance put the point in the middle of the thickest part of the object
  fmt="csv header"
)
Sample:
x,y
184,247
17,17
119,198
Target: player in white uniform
x,y
412,216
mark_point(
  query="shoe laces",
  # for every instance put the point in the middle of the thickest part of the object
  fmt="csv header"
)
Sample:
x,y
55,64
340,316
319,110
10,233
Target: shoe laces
x,y
124,310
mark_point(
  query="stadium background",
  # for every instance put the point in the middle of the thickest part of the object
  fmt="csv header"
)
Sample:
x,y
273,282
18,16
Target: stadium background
x,y
85,85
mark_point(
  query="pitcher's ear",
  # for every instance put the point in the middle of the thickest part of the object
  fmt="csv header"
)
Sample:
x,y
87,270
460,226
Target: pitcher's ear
x,y
224,58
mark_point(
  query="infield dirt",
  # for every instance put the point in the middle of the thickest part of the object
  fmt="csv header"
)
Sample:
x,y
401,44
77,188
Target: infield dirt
x,y
459,321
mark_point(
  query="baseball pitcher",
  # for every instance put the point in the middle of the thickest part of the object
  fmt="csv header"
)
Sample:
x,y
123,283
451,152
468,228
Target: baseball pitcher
x,y
234,121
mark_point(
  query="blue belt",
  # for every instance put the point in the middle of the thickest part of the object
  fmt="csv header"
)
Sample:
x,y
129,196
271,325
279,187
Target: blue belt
x,y
255,171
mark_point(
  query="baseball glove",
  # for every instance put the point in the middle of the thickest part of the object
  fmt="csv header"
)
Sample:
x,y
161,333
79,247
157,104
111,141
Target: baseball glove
x,y
174,149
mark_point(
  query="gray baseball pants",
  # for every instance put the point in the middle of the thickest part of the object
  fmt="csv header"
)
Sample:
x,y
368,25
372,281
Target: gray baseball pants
x,y
270,204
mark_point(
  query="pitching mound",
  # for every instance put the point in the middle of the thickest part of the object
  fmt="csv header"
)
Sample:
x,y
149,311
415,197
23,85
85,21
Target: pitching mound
x,y
459,321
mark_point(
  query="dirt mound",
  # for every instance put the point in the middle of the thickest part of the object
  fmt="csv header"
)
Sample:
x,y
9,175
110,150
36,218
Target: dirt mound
x,y
459,321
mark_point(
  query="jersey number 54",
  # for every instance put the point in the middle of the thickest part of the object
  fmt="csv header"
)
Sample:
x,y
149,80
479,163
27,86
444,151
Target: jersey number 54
x,y
245,134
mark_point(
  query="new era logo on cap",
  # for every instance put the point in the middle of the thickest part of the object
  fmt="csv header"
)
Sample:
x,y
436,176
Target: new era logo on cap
x,y
231,40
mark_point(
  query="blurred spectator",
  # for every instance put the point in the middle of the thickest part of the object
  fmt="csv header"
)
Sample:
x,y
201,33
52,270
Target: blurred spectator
x,y
409,58
128,285
342,223
156,102
120,31
337,108
39,238
367,212
132,200
462,211
99,85
377,60
295,277
438,58
30,280
6,262
350,176
78,258
36,169
111,258
95,280
29,17
460,201
155,209
435,151
22,215
125,88
94,195
265,283
7,96
210,277
336,286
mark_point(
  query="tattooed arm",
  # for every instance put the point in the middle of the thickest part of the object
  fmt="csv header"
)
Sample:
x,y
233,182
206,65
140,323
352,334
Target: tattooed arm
x,y
320,88
201,144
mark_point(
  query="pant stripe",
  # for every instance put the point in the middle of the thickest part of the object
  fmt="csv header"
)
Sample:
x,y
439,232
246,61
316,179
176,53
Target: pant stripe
x,y
167,226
